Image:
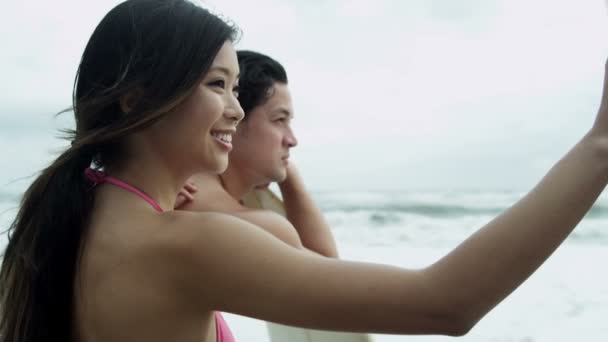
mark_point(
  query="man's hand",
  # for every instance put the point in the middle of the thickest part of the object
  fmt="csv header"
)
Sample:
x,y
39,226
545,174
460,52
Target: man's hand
x,y
292,179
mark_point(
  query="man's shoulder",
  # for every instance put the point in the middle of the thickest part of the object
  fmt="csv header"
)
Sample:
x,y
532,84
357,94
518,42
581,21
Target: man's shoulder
x,y
212,200
220,201
264,199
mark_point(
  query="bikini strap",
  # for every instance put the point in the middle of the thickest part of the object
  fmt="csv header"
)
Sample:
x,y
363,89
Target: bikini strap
x,y
98,177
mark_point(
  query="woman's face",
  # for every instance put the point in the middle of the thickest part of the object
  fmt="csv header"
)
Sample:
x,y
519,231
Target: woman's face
x,y
198,132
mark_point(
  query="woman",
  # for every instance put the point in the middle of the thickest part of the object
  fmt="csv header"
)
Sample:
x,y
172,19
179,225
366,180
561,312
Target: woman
x,y
152,69
100,256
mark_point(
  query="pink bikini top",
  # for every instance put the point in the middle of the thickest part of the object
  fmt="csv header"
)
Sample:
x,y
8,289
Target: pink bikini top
x,y
222,331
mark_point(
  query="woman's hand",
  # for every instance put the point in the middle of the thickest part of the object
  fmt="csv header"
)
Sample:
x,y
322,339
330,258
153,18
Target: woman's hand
x,y
600,127
185,194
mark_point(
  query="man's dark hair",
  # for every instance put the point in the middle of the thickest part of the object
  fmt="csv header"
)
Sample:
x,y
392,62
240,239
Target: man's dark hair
x,y
259,73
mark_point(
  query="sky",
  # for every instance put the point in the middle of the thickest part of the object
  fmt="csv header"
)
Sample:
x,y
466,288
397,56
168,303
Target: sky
x,y
419,94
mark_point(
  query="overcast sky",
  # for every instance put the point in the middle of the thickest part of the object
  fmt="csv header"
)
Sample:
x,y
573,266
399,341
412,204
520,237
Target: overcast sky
x,y
479,94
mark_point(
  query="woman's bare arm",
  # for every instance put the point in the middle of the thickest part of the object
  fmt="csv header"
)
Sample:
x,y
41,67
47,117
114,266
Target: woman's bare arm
x,y
231,265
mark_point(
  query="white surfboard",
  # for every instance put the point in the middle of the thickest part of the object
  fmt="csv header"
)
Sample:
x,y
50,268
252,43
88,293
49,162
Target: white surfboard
x,y
266,199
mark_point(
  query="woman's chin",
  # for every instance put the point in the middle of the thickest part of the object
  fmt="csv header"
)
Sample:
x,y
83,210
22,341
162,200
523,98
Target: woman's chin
x,y
221,165
216,166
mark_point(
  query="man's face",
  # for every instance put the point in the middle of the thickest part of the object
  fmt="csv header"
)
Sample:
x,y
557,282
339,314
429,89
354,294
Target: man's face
x,y
262,142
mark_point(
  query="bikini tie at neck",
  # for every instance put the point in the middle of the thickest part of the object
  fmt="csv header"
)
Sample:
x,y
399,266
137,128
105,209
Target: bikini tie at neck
x,y
97,176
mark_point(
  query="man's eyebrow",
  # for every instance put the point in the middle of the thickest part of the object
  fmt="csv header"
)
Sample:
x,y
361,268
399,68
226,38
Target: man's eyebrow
x,y
284,111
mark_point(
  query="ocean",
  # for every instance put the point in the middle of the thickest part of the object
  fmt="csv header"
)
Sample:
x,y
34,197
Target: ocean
x,y
566,299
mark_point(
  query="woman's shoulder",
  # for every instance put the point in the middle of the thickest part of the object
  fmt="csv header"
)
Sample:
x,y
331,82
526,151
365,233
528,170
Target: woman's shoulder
x,y
183,230
182,221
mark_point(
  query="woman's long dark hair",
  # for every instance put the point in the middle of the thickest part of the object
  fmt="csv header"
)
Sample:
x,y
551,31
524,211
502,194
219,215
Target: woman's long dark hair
x,y
152,51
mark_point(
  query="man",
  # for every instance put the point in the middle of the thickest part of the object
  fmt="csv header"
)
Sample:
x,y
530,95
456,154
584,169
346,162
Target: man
x,y
260,156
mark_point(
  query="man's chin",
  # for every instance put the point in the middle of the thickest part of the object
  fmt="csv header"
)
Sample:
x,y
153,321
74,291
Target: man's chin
x,y
277,177
280,177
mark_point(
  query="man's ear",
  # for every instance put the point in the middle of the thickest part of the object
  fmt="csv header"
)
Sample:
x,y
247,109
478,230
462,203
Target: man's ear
x,y
130,100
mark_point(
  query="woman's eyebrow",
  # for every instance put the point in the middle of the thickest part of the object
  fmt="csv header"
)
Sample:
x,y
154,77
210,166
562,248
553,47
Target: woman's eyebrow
x,y
223,70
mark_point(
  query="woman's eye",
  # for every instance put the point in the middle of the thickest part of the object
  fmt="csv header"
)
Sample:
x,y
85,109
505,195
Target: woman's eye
x,y
235,91
218,83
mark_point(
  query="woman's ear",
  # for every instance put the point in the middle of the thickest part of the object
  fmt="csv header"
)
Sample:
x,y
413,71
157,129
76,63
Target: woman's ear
x,y
130,100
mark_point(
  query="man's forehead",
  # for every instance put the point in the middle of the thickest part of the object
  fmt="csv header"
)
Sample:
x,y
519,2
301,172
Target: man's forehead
x,y
279,101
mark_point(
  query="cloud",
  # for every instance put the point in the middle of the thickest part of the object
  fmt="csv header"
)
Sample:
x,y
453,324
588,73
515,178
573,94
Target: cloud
x,y
398,91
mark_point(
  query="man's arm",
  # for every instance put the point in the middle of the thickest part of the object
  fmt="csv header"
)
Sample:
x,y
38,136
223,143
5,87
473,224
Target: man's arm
x,y
305,216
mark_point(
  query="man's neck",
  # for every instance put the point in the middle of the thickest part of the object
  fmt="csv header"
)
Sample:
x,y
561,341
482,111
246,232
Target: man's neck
x,y
236,183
